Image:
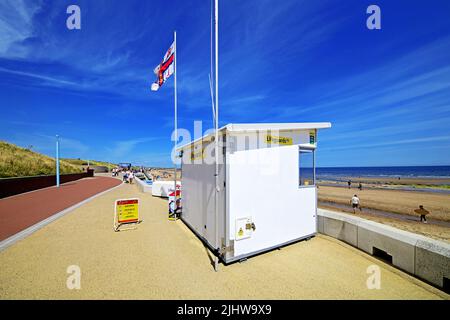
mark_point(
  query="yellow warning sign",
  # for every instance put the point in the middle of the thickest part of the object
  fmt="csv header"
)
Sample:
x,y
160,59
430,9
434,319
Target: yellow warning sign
x,y
126,211
198,149
278,140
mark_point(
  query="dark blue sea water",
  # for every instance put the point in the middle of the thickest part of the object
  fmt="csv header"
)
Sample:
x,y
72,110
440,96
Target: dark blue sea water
x,y
402,172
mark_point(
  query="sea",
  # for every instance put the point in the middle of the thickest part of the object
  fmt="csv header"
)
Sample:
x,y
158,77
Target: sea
x,y
337,173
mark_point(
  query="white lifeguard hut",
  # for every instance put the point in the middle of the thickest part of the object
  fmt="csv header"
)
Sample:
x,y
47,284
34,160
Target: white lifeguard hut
x,y
267,196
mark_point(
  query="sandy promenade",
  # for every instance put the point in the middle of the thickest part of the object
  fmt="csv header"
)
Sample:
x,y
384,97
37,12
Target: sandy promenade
x,y
164,260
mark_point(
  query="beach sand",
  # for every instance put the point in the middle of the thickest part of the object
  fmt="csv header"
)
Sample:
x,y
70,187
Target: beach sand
x,y
390,182
395,201
165,174
429,230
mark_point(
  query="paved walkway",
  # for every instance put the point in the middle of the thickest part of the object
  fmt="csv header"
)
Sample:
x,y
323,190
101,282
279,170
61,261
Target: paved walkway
x,y
24,210
162,259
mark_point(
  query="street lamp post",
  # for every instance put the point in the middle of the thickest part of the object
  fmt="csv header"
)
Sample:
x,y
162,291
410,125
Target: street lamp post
x,y
57,161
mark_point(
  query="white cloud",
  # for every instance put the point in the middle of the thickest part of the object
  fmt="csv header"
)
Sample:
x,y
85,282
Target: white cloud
x,y
16,25
123,148
46,144
49,80
391,143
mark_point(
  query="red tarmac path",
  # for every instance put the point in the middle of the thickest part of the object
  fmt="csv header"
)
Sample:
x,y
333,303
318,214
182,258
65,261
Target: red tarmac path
x,y
24,210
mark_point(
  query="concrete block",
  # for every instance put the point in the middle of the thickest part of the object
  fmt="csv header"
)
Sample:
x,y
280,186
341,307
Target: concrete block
x,y
424,257
341,230
402,252
144,187
320,224
433,261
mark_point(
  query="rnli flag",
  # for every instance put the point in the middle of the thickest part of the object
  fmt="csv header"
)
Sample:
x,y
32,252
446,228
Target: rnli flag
x,y
165,69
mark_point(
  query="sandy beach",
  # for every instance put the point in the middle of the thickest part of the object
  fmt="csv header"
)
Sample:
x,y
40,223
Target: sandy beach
x,y
387,195
402,202
390,182
429,230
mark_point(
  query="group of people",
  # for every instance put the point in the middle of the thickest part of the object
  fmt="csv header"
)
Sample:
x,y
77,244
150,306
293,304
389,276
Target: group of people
x,y
422,212
349,183
128,174
115,172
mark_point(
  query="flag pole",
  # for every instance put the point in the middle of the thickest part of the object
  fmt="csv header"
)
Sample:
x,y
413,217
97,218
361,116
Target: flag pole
x,y
211,73
176,128
216,124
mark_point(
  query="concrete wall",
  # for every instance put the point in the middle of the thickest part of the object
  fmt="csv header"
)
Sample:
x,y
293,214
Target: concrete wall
x,y
144,187
432,261
97,169
339,229
421,256
13,186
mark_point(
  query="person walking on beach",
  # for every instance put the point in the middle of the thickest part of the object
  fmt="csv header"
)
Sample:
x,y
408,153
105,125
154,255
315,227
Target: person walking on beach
x,y
355,203
349,183
422,212
360,186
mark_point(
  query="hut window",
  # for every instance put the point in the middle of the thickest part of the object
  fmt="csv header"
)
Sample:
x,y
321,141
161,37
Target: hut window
x,y
306,167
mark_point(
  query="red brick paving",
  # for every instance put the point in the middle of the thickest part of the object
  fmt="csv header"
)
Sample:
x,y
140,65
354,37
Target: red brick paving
x,y
22,211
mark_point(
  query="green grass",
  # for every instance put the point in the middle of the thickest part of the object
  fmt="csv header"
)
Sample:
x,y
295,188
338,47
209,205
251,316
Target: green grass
x,y
20,162
77,162
81,162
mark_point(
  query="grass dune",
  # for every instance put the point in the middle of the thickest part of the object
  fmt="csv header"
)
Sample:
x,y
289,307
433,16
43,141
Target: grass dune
x,y
19,162
81,162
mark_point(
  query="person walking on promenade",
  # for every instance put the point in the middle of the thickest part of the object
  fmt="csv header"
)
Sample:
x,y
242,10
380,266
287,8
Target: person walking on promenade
x,y
349,183
130,177
356,203
360,186
422,212
125,177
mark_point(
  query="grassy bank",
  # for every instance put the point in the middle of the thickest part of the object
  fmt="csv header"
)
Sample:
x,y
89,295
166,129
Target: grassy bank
x,y
81,162
19,162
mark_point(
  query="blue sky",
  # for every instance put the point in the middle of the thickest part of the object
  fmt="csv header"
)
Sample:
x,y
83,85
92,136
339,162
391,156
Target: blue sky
x,y
386,92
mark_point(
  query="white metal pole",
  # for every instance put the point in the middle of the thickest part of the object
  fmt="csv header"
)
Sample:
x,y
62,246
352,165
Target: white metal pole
x,y
211,40
211,75
216,124
176,127
57,161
